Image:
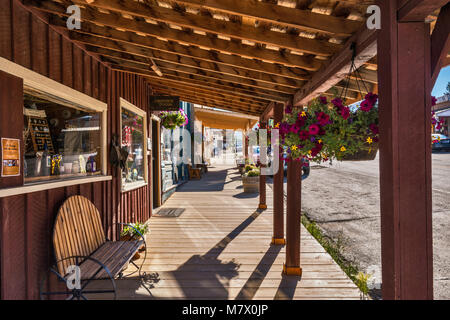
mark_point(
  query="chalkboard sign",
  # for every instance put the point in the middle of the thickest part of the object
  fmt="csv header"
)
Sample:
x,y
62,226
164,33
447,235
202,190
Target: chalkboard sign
x,y
164,103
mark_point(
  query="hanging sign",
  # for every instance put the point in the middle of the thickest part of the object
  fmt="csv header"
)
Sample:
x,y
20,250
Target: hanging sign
x,y
10,157
164,103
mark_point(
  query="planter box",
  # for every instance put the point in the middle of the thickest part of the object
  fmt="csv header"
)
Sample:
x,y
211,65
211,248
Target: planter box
x,y
250,184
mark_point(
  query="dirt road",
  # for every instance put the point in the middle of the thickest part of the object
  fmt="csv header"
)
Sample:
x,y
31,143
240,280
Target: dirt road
x,y
344,201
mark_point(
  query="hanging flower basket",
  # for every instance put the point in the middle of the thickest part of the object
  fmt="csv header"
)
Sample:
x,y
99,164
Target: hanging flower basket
x,y
324,130
173,119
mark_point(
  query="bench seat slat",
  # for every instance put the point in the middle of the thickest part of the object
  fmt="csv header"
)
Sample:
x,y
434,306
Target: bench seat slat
x,y
114,255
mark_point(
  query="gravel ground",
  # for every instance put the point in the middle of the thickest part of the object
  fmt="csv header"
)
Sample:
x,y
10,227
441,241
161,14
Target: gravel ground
x,y
350,212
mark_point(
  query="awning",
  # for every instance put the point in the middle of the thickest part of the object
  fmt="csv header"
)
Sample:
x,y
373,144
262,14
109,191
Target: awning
x,y
224,120
443,113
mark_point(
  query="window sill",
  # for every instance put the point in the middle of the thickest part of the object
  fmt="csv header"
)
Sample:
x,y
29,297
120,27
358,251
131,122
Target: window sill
x,y
50,185
133,186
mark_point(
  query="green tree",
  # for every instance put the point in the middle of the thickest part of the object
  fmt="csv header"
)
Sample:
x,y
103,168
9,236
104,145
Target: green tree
x,y
448,88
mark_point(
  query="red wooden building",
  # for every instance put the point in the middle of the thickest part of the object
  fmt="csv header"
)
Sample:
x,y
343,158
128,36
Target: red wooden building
x,y
78,90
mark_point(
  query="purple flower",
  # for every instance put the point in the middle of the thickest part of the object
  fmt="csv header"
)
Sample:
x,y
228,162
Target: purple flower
x,y
337,103
366,106
323,118
323,100
374,128
288,109
303,135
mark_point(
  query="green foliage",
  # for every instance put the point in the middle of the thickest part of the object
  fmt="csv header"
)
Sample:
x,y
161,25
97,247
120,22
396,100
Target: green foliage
x,y
361,282
173,119
249,167
253,173
130,231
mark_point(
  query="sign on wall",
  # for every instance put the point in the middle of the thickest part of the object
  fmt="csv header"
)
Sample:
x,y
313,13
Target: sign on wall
x,y
164,103
10,157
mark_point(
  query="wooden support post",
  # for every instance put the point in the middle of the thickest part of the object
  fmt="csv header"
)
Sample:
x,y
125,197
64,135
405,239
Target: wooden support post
x,y
293,222
262,178
203,144
405,156
278,192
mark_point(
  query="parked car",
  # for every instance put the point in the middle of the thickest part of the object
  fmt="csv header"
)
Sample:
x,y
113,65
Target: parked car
x,y
440,142
305,170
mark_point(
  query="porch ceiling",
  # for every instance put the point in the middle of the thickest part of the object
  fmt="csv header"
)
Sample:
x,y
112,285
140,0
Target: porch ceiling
x,y
230,54
224,120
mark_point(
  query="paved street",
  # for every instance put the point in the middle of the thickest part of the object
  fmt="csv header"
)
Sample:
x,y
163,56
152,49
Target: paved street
x,y
344,200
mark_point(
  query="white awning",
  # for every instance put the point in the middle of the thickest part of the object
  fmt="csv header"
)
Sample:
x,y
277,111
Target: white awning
x,y
443,113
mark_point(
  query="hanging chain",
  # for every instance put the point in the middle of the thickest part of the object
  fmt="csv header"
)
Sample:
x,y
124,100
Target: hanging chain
x,y
355,70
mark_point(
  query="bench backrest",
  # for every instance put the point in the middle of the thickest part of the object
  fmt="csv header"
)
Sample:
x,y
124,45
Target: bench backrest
x,y
78,231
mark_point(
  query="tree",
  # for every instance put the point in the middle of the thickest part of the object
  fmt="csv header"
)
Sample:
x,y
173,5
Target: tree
x,y
448,88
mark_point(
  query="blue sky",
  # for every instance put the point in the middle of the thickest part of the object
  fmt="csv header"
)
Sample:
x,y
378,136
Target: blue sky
x,y
441,83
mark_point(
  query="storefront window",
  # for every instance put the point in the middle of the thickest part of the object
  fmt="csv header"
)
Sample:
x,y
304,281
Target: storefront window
x,y
134,142
62,140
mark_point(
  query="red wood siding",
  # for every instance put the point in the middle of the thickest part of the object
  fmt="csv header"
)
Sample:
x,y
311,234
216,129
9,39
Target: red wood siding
x,y
26,221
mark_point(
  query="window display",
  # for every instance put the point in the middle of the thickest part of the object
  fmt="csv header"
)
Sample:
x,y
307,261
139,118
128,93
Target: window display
x,y
61,140
133,141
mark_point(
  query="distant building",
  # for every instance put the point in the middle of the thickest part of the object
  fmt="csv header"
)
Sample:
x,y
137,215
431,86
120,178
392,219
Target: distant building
x,y
442,110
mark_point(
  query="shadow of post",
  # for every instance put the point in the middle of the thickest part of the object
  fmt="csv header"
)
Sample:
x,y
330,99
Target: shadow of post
x,y
253,283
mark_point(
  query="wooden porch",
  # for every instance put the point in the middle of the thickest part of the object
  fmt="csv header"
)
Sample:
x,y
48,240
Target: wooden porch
x,y
219,248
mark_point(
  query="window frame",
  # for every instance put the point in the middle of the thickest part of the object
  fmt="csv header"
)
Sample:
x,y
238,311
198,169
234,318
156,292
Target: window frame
x,y
35,81
124,104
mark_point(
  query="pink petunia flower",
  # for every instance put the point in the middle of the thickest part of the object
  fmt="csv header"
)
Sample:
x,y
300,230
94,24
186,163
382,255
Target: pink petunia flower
x,y
303,135
323,118
314,129
374,128
345,113
323,100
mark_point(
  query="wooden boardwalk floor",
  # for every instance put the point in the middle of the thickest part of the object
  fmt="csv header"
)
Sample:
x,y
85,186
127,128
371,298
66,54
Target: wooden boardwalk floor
x,y
219,248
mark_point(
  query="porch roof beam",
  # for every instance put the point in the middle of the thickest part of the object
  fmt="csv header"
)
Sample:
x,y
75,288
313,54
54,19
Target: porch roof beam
x,y
207,24
279,15
338,67
440,43
108,48
162,32
418,10
210,75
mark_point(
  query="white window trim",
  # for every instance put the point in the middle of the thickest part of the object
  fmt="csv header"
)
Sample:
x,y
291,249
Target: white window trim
x,y
124,104
39,82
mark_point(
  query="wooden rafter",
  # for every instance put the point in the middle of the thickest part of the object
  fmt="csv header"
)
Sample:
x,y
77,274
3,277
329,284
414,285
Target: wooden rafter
x,y
206,24
339,66
210,101
279,15
418,10
233,100
440,42
160,48
177,65
162,32
208,92
180,78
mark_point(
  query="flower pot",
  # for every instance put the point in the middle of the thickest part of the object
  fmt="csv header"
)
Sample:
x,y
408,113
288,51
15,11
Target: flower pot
x,y
134,238
250,184
363,154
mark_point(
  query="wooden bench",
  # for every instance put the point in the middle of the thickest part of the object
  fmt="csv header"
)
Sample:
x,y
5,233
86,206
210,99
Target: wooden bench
x,y
79,240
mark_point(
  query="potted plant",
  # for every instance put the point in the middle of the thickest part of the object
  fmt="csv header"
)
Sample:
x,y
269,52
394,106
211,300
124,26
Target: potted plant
x,y
250,179
173,119
133,232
